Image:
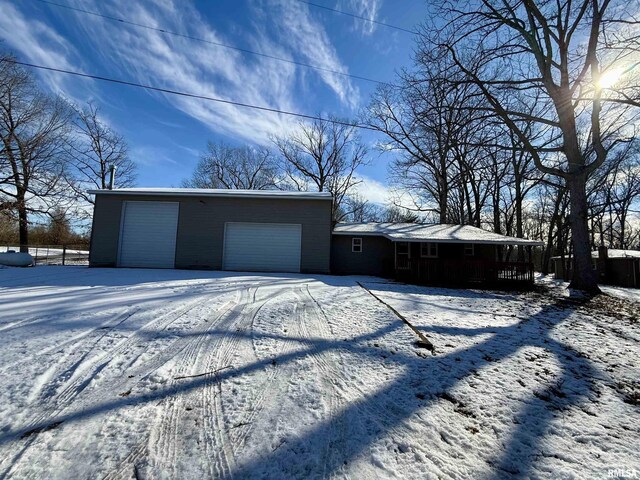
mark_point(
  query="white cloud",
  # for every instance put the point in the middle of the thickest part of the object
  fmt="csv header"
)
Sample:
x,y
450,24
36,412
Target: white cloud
x,y
308,39
368,9
150,156
35,42
377,192
151,57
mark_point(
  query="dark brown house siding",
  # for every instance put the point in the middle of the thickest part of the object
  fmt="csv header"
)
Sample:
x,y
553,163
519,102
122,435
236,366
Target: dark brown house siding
x,y
456,251
378,255
375,259
201,223
620,271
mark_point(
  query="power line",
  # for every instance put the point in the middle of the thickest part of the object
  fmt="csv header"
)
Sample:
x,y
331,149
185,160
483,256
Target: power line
x,y
191,95
217,44
359,17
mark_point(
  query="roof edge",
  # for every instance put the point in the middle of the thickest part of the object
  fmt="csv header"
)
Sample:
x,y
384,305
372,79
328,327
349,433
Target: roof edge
x,y
284,195
516,241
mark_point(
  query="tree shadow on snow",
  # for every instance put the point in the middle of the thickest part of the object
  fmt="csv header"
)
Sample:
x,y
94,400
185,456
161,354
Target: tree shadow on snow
x,y
432,378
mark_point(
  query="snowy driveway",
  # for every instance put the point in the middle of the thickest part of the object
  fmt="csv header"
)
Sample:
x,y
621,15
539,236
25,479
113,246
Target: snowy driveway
x,y
174,374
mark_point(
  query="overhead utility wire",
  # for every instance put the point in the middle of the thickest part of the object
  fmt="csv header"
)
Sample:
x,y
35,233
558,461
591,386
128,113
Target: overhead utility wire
x,y
210,42
359,17
192,95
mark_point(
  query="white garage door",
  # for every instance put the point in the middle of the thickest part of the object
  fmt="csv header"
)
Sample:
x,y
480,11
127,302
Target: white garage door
x,y
262,247
148,234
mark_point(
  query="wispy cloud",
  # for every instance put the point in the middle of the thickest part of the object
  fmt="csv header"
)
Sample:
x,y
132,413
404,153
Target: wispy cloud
x,y
39,43
308,41
365,8
171,62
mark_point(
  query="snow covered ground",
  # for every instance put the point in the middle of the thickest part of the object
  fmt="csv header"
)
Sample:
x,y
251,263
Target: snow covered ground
x,y
115,373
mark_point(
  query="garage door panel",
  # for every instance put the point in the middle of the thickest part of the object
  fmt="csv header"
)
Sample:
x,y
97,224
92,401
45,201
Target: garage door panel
x,y
148,237
264,247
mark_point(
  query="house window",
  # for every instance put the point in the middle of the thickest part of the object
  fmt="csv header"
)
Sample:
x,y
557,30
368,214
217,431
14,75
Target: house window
x,y
356,245
469,250
429,250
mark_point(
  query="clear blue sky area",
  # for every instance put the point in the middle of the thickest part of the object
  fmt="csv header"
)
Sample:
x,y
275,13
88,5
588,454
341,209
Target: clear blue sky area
x,y
167,133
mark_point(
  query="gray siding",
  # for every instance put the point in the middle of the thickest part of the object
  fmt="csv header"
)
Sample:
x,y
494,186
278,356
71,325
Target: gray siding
x,y
375,259
105,233
201,222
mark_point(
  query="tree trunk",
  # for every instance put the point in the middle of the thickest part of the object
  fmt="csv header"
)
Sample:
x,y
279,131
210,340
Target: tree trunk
x,y
519,226
23,227
443,200
555,220
584,276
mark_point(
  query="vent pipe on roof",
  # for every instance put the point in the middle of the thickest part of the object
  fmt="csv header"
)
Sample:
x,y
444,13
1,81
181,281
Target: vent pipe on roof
x,y
112,177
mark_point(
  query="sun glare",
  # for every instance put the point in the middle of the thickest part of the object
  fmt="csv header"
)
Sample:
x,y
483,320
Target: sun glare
x,y
609,79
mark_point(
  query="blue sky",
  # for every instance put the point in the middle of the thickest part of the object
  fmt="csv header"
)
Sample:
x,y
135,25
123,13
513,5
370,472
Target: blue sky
x,y
166,133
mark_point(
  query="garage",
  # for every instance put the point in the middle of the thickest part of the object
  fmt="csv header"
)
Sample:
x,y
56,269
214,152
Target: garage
x,y
209,229
148,234
262,247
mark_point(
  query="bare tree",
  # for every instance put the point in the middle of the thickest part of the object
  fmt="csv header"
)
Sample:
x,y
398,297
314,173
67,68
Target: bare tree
x,y
33,132
418,123
223,166
94,148
567,54
324,156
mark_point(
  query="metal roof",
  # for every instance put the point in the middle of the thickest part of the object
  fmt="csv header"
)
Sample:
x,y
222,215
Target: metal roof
x,y
210,192
436,233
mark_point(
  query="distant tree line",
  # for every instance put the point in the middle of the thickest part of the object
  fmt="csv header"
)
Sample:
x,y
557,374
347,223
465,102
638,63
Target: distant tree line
x,y
51,153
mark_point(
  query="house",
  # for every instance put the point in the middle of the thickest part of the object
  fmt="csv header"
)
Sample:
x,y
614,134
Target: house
x,y
281,231
429,254
244,230
614,267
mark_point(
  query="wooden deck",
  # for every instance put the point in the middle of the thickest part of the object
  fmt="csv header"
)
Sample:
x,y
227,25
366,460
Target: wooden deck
x,y
480,273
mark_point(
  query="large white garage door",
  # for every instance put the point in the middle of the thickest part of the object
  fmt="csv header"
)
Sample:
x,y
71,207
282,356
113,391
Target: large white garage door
x,y
262,247
148,234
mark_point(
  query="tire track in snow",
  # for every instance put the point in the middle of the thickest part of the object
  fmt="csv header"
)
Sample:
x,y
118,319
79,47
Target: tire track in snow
x,y
265,391
313,325
344,391
164,434
222,445
215,429
101,329
80,378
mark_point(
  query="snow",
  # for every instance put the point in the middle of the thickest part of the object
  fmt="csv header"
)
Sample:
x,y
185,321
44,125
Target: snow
x,y
48,251
439,233
611,253
117,373
631,294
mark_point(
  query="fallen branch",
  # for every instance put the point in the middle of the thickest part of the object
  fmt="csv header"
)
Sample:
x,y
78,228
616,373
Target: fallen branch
x,y
240,425
203,374
423,341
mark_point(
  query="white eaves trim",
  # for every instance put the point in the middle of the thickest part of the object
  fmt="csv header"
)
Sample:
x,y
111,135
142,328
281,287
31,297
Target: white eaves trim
x,y
206,192
436,233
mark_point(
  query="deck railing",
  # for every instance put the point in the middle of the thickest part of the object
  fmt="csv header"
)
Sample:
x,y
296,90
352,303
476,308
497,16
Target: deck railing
x,y
463,271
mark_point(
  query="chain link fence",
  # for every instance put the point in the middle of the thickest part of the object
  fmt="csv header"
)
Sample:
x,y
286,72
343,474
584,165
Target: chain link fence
x,y
54,254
